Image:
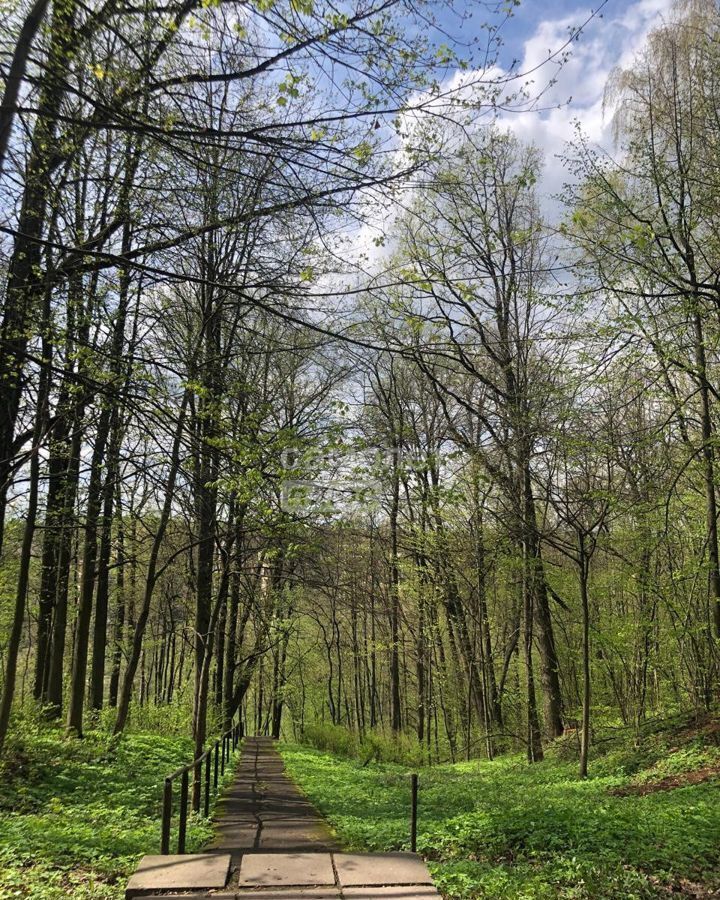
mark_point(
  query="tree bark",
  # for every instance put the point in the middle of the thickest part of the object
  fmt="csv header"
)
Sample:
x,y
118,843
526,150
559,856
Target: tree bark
x,y
151,577
25,281
583,563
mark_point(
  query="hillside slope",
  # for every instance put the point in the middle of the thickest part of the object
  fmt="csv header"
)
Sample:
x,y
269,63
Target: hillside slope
x,y
645,824
76,816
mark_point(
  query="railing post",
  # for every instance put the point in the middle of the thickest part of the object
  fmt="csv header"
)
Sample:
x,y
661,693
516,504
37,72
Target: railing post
x,y
167,816
413,811
182,828
197,780
207,783
230,742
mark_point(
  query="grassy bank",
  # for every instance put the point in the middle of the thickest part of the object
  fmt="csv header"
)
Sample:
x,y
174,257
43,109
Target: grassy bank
x,y
645,824
75,816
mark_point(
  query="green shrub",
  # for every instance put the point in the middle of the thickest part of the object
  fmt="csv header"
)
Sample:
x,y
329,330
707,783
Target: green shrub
x,y
168,719
388,748
374,746
332,739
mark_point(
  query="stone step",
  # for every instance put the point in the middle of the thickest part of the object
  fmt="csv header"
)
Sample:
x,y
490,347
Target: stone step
x,y
284,875
190,872
393,892
379,869
397,892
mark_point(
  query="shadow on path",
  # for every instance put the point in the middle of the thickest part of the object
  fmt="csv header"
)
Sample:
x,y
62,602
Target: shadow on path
x,y
264,810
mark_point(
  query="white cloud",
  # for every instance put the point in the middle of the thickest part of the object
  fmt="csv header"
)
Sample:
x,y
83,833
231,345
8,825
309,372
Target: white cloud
x,y
607,43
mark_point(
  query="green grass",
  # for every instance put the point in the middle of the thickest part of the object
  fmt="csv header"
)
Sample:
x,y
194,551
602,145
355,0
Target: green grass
x,y
75,816
504,829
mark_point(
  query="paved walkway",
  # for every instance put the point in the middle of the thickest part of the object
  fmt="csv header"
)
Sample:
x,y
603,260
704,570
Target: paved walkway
x,y
265,811
272,844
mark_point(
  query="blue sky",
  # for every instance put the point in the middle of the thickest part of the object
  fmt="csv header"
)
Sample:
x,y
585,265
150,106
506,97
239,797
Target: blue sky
x,y
608,41
538,28
532,39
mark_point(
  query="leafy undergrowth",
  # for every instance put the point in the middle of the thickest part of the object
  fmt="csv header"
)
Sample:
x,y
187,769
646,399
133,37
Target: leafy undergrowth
x,y
75,816
504,829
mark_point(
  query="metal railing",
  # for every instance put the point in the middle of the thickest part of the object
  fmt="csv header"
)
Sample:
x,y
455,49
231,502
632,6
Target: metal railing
x,y
413,811
219,752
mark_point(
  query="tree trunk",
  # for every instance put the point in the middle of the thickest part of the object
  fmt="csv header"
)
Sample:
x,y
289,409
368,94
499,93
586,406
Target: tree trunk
x,y
583,564
13,646
25,281
549,664
534,740
708,455
119,626
395,700
151,577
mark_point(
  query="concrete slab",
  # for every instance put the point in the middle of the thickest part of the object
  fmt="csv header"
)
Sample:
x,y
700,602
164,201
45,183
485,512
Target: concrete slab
x,y
286,869
239,834
317,893
395,892
297,836
370,869
213,896
200,872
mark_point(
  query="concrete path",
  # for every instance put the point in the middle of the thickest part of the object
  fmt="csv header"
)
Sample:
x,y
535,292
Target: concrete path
x,y
272,844
265,811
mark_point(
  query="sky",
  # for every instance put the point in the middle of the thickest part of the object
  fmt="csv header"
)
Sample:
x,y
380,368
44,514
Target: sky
x,y
609,41
537,29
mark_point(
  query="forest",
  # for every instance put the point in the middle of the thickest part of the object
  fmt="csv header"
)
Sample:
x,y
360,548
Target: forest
x,y
318,410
